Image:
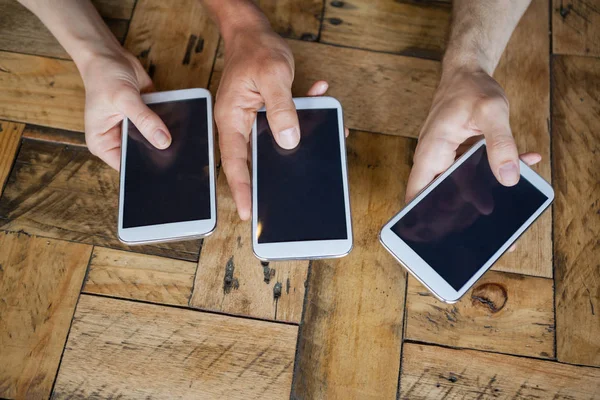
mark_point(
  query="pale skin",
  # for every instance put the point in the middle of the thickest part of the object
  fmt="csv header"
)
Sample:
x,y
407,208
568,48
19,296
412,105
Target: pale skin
x,y
259,71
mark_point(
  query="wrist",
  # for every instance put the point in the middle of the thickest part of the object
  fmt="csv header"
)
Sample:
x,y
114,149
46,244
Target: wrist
x,y
235,17
91,57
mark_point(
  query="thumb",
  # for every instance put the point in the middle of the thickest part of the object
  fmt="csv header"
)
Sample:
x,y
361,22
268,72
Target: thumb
x,y
282,115
130,103
501,148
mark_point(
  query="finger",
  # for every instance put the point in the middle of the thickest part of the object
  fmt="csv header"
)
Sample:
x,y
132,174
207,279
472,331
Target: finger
x,y
346,131
512,248
146,121
492,118
318,88
432,157
530,158
281,114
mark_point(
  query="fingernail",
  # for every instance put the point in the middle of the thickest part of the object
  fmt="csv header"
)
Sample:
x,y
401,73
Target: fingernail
x,y
289,138
509,173
161,138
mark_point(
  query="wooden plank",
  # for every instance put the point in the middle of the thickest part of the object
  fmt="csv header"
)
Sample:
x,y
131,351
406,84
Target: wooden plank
x,y
10,137
66,193
39,286
524,73
369,85
23,32
176,42
576,27
140,277
134,350
351,334
506,313
231,279
417,28
296,19
431,372
575,150
55,135
41,91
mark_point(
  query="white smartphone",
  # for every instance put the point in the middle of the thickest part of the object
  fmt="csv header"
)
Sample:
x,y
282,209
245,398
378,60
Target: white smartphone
x,y
301,205
168,195
459,225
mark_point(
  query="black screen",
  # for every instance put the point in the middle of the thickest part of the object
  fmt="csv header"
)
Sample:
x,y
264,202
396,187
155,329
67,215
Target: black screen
x,y
461,223
300,191
171,185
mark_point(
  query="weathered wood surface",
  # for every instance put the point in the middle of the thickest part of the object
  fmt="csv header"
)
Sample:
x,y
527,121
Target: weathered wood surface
x,y
506,313
576,150
415,28
297,19
231,279
134,350
576,27
176,42
524,73
66,193
137,276
41,91
46,134
431,372
22,32
10,137
369,85
349,345
39,286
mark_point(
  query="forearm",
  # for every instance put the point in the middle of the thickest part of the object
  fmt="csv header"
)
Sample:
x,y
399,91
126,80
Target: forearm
x,y
231,15
78,27
480,31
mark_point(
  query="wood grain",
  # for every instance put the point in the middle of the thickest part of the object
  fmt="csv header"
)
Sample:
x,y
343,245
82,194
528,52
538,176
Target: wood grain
x,y
22,32
416,28
176,42
576,27
41,91
140,277
505,313
524,73
430,372
369,85
64,192
297,19
124,349
39,286
47,134
575,151
351,334
10,137
231,279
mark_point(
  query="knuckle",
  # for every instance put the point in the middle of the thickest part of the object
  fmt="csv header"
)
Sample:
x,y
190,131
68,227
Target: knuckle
x,y
492,106
503,143
144,120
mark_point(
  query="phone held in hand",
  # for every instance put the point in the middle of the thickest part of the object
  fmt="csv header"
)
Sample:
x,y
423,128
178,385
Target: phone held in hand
x,y
301,205
168,195
459,225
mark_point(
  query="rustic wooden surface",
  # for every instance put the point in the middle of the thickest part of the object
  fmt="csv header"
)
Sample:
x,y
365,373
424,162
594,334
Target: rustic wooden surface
x,y
207,319
183,353
10,137
576,150
351,335
576,27
39,286
431,372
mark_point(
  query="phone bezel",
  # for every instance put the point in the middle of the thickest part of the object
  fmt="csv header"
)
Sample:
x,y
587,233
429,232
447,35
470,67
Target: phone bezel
x,y
420,269
176,230
311,249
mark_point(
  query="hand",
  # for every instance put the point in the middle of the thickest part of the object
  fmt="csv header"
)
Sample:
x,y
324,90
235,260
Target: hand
x,y
467,104
259,71
112,90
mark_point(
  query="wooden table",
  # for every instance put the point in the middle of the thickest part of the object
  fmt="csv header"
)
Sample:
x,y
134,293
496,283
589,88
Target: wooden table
x,y
83,315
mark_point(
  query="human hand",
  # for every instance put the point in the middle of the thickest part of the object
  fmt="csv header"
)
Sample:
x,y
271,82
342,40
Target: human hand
x,y
112,89
259,71
467,104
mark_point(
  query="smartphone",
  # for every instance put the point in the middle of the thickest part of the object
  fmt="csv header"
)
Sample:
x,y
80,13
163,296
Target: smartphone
x,y
459,225
168,195
301,205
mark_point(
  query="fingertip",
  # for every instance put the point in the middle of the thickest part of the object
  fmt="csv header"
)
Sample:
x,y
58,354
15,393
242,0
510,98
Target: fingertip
x,y
161,139
244,214
509,173
289,138
318,88
346,131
